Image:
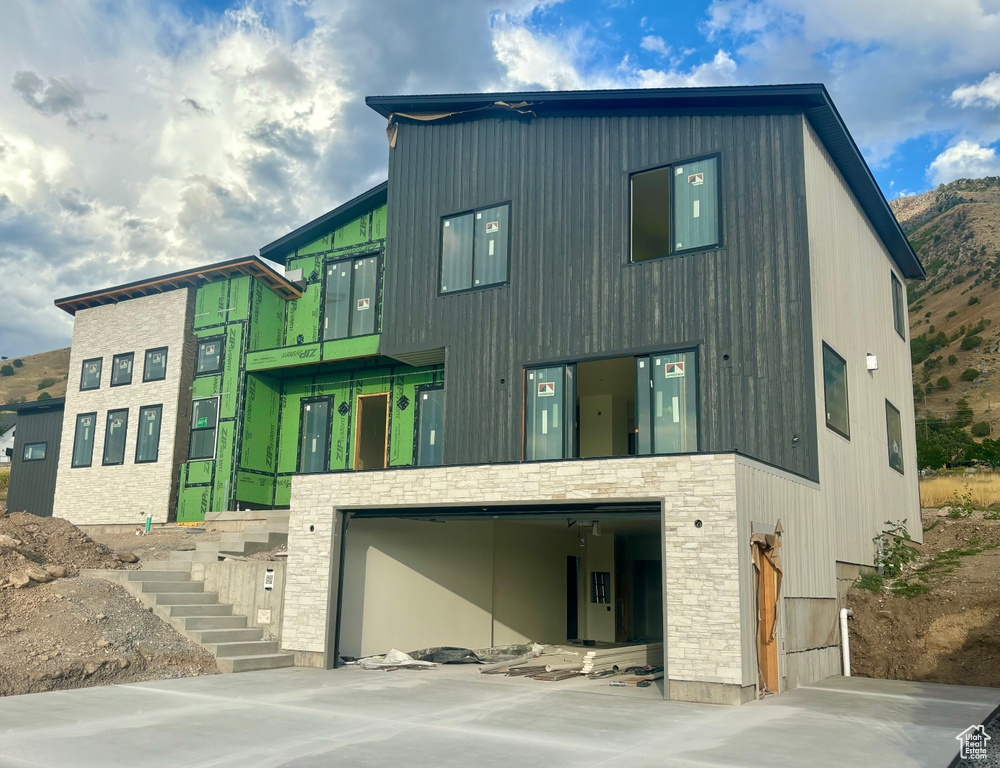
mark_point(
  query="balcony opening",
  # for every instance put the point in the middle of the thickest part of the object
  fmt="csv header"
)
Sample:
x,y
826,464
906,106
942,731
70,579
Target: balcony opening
x,y
371,441
606,407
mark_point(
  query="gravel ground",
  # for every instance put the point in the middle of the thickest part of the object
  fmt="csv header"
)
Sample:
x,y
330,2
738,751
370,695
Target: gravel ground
x,y
155,546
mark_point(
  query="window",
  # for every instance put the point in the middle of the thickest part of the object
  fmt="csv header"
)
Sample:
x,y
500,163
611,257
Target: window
x,y
34,452
90,376
430,426
667,403
83,440
894,436
675,208
204,417
549,426
209,356
121,369
114,437
315,426
474,249
898,307
147,439
155,368
835,392
351,304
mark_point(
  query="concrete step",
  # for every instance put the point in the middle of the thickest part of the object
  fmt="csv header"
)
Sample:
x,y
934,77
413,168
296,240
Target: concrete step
x,y
198,623
257,662
186,598
225,636
173,586
166,565
267,528
145,575
241,648
193,556
217,609
220,546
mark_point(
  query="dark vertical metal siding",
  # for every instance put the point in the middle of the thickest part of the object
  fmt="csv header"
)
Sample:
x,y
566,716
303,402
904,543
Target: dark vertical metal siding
x,y
572,292
33,484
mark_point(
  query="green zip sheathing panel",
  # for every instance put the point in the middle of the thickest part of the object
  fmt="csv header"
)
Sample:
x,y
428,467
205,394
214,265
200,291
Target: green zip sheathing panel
x,y
267,322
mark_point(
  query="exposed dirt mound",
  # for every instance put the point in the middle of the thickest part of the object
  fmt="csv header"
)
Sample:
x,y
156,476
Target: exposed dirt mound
x,y
950,634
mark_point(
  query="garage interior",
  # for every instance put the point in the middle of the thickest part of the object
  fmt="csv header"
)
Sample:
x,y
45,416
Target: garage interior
x,y
491,577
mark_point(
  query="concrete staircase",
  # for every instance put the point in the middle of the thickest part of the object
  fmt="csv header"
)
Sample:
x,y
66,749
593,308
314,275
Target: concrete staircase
x,y
263,530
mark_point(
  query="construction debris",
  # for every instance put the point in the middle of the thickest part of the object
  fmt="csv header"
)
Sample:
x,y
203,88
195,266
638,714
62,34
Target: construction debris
x,y
618,657
393,660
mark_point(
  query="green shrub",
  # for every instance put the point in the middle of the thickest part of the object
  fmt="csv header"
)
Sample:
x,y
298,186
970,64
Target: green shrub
x,y
873,582
6,370
969,374
993,514
4,480
952,359
903,589
973,300
929,388
963,413
951,314
46,383
44,396
943,383
18,362
927,314
971,342
981,429
892,551
932,362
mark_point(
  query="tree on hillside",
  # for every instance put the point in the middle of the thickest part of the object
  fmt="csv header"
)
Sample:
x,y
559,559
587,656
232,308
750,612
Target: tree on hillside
x,y
6,370
18,362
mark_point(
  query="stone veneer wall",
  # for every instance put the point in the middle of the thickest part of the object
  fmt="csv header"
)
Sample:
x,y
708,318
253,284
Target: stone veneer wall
x,y
126,493
701,566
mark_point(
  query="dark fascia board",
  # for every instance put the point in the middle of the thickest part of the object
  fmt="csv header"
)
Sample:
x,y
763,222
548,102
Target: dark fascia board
x,y
51,403
280,248
812,98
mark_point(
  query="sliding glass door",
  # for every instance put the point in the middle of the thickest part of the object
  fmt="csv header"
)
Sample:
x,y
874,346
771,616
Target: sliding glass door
x,y
550,413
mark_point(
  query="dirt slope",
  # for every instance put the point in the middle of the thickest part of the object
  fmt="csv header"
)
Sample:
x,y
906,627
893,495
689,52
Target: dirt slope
x,y
36,370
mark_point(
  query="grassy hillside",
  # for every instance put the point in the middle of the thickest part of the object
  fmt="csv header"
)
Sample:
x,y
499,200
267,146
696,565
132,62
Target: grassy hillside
x,y
48,368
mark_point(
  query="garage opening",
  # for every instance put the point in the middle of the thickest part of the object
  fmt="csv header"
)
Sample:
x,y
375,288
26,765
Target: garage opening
x,y
372,436
482,581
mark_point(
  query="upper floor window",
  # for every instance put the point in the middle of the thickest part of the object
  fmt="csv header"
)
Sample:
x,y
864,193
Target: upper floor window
x,y
90,375
155,368
894,436
898,307
835,392
34,452
114,437
351,304
121,369
83,440
474,249
675,209
209,356
147,440
204,420
430,426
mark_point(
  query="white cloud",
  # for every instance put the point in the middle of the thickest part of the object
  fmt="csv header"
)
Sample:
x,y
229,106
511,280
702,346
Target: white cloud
x,y
985,93
655,44
964,160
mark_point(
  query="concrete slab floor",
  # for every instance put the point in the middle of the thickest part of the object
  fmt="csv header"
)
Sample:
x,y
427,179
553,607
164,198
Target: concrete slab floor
x,y
305,718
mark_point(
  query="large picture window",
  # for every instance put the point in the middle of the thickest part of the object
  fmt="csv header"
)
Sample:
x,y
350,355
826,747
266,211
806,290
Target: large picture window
x,y
90,375
155,367
83,440
121,369
147,440
675,208
474,249
352,301
209,356
835,392
114,437
204,420
894,436
898,307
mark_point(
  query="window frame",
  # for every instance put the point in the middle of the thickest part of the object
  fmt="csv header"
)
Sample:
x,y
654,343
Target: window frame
x,y
76,438
898,320
221,341
214,427
145,364
100,373
45,451
107,431
472,212
720,245
847,393
378,254
329,399
417,390
138,433
901,469
131,370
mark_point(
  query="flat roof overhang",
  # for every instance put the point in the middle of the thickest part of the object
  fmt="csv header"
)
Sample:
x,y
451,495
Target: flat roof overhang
x,y
248,265
631,509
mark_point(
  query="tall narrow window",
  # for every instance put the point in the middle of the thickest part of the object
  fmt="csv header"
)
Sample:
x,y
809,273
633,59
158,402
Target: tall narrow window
x,y
351,305
430,425
474,249
898,307
696,205
114,437
894,436
121,369
155,367
314,434
204,419
147,440
83,440
666,414
835,392
550,413
90,375
209,356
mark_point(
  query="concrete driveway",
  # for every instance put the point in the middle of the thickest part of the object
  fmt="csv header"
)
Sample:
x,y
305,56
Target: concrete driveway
x,y
311,718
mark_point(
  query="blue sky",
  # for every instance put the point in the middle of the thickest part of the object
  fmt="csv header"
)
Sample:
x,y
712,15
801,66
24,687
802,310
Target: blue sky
x,y
139,137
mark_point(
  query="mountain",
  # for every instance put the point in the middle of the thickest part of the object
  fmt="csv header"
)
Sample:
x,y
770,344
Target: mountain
x,y
955,312
26,380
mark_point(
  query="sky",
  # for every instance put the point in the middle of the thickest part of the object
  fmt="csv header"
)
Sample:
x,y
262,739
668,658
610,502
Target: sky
x,y
139,137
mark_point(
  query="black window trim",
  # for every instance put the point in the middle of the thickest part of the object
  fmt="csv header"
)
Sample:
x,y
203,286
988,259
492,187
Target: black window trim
x,y
378,253
847,392
221,339
145,360
510,227
889,405
76,438
29,445
416,420
901,326
329,429
670,203
131,372
104,453
138,432
215,426
100,373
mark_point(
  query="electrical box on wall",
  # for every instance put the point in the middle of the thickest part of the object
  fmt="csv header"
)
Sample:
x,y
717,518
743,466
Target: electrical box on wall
x,y
871,362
